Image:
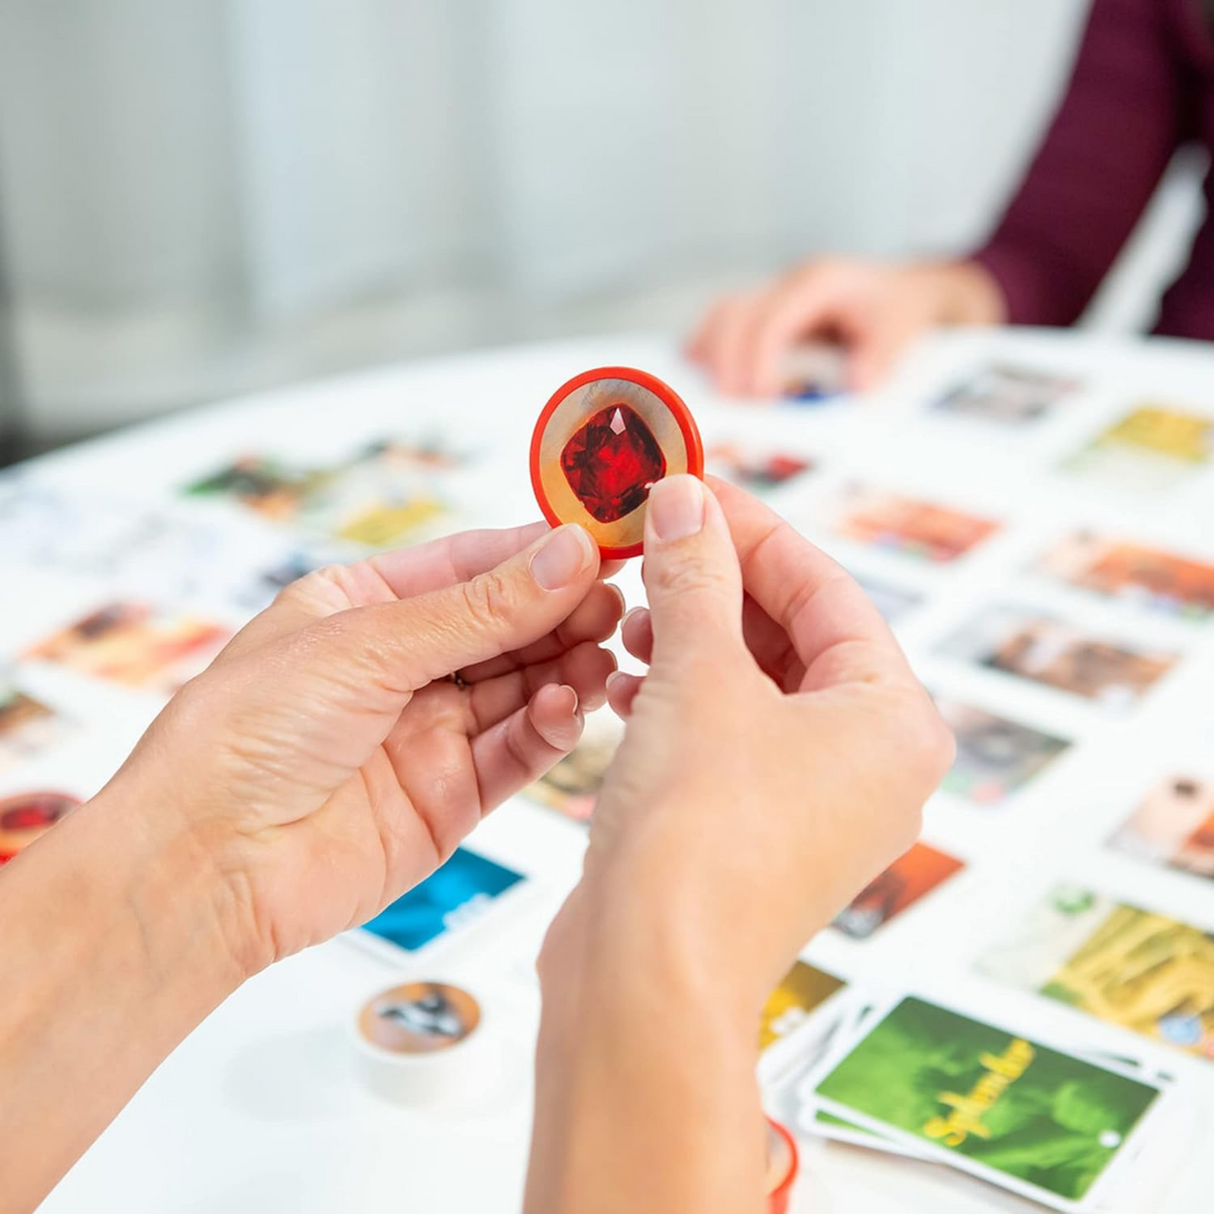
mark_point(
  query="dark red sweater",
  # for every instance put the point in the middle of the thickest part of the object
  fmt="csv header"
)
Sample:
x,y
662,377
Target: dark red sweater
x,y
1143,85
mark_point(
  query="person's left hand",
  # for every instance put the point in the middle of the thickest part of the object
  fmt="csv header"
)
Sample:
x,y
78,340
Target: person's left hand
x,y
327,761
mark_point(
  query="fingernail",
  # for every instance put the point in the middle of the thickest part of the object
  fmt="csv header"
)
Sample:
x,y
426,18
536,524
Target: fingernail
x,y
563,555
676,507
573,692
616,676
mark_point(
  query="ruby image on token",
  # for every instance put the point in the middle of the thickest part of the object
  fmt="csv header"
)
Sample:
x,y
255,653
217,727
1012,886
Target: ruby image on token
x,y
601,443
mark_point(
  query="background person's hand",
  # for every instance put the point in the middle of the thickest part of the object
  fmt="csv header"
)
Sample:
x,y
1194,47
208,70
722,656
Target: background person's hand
x,y
325,762
874,310
777,755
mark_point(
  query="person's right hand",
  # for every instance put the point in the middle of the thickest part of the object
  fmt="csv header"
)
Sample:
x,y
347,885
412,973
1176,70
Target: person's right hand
x,y
874,310
777,754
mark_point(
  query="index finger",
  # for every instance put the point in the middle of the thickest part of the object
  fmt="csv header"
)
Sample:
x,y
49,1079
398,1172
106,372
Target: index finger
x,y
837,632
383,578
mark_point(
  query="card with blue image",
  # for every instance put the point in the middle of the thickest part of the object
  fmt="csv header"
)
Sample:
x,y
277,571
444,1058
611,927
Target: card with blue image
x,y
451,897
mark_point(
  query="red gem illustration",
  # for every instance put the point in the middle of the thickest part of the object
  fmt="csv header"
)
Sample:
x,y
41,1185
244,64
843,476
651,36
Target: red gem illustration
x,y
612,462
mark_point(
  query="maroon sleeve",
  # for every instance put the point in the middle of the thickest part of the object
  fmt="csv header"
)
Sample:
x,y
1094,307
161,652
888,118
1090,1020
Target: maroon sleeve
x,y
1111,139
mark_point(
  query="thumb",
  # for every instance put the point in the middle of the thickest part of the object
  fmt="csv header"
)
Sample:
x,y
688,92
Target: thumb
x,y
691,573
400,647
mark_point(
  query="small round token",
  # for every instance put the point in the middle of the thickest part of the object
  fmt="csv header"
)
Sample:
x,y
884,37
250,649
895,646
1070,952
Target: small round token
x,y
601,443
419,1018
26,816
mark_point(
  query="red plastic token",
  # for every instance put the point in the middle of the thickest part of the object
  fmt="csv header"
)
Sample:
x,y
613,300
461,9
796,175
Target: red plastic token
x,y
601,443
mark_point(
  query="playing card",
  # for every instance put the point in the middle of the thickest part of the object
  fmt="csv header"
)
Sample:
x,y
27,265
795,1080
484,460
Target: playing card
x,y
572,785
1173,826
1007,393
985,1099
449,899
1045,649
910,526
1158,581
1152,447
1130,967
908,879
995,756
134,643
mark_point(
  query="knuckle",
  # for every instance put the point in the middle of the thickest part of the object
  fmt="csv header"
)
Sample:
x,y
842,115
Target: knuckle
x,y
686,578
489,600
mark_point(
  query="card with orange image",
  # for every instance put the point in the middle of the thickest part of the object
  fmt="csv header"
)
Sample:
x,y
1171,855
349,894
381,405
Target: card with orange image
x,y
135,644
1152,578
908,879
911,526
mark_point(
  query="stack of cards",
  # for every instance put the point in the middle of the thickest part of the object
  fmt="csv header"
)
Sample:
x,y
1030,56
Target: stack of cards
x,y
918,1078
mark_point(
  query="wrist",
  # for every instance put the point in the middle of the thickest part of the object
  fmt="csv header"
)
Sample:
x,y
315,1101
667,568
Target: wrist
x,y
170,896
629,954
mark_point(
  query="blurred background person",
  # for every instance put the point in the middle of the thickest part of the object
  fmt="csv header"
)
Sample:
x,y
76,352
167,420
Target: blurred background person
x,y
200,200
1142,88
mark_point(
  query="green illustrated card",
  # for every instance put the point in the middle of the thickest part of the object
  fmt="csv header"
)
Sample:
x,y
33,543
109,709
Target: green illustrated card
x,y
1033,1119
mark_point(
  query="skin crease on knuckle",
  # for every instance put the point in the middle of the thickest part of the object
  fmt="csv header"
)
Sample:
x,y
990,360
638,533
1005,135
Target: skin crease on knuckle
x,y
490,602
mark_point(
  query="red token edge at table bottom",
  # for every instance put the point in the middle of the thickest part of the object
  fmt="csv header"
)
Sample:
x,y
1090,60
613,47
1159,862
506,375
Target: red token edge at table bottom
x,y
777,1199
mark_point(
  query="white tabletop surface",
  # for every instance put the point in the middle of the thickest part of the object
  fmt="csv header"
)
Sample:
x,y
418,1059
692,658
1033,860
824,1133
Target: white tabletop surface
x,y
261,1109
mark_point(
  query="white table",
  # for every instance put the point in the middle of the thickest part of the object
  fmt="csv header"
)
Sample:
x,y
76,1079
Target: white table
x,y
260,1109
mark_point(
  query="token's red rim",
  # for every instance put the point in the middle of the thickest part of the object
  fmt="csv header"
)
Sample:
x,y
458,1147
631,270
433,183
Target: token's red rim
x,y
666,394
777,1199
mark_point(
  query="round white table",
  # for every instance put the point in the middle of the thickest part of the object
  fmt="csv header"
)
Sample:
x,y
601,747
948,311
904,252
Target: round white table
x,y
261,1109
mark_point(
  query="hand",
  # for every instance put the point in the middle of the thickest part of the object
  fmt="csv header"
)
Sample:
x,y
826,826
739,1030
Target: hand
x,y
874,310
777,754
325,763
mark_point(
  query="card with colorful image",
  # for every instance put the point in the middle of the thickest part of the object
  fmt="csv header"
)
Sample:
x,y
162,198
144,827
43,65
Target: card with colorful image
x,y
1164,582
1129,967
267,486
802,991
893,602
572,786
755,469
450,898
1005,392
909,878
258,589
996,757
1173,826
987,1100
385,497
1152,447
28,726
910,526
135,644
1042,648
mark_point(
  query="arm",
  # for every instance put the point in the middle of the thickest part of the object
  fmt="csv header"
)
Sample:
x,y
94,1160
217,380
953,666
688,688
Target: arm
x,y
777,756
115,945
1120,121
242,829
